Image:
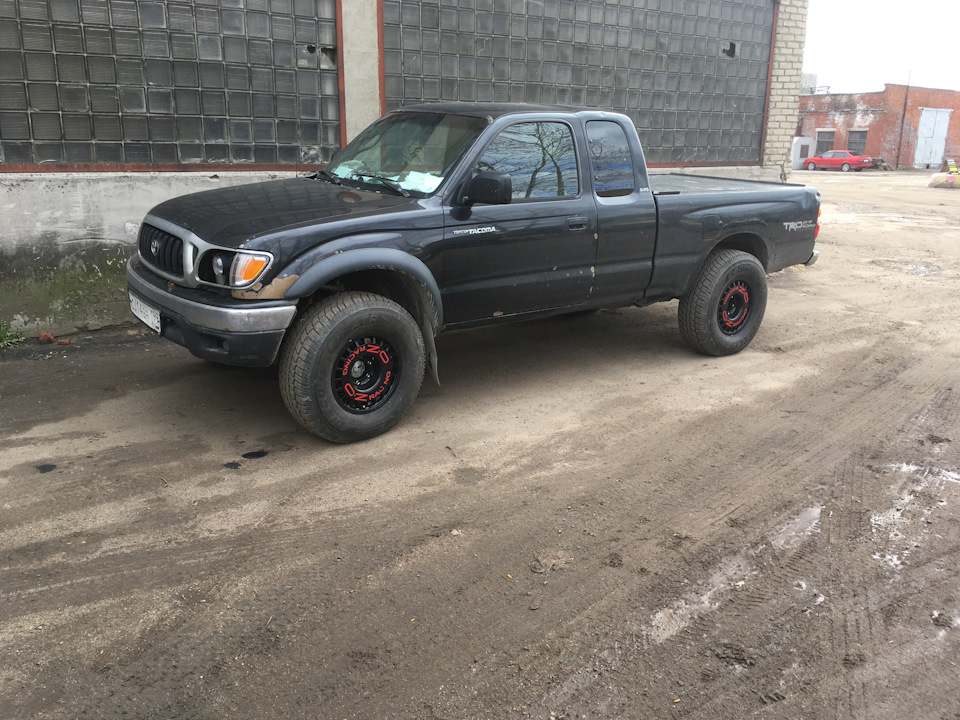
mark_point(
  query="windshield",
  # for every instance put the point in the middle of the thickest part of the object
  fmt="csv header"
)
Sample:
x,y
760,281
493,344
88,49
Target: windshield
x,y
407,152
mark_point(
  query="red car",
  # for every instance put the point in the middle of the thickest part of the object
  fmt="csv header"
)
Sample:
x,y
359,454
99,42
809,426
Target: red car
x,y
843,159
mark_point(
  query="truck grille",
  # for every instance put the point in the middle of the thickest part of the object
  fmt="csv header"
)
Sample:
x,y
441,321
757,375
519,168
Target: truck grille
x,y
161,250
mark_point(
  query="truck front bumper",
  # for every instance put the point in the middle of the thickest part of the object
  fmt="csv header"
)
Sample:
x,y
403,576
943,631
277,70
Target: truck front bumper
x,y
213,327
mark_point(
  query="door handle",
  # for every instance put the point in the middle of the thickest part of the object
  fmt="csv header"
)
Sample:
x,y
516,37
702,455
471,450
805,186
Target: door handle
x,y
577,223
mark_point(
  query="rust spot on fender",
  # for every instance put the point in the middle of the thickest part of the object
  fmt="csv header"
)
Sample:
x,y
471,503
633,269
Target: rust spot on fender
x,y
276,290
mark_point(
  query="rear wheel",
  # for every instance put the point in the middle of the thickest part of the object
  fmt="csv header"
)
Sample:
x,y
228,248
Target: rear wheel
x,y
724,308
845,167
353,366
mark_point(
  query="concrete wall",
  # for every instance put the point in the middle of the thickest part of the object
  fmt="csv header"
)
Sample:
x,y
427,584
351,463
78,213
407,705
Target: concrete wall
x,y
66,237
891,133
360,60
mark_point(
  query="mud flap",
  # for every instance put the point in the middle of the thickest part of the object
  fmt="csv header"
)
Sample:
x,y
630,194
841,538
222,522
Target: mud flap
x,y
431,344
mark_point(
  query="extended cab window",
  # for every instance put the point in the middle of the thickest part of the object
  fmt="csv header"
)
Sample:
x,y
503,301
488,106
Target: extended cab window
x,y
540,158
611,159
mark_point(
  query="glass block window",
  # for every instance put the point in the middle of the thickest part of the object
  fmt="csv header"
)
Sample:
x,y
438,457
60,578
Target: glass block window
x,y
138,82
691,75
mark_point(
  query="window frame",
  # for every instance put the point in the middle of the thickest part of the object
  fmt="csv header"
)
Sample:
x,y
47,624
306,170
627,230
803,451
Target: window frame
x,y
861,150
620,193
474,168
821,148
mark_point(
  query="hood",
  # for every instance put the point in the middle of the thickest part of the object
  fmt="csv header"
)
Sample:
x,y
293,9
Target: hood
x,y
231,216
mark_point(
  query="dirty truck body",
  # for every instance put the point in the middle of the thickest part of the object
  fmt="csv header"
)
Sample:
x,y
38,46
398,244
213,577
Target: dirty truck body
x,y
454,215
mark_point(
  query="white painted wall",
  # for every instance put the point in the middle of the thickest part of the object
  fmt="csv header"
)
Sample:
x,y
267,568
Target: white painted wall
x,y
797,156
105,207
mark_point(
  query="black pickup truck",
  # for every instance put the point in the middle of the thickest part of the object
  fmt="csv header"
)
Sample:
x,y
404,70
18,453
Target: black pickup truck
x,y
454,215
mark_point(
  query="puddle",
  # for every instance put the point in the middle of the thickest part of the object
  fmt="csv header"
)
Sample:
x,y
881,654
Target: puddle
x,y
799,529
926,270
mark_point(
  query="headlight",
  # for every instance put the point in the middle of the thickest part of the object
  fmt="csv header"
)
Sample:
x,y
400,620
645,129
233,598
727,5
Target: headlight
x,y
247,267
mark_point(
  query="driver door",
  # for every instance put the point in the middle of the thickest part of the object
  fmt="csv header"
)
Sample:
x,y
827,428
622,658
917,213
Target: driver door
x,y
538,251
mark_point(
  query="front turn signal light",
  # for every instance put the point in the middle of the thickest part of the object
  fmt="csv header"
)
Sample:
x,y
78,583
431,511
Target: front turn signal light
x,y
247,267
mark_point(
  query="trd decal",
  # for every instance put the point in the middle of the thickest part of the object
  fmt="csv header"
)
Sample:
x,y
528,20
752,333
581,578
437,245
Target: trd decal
x,y
801,225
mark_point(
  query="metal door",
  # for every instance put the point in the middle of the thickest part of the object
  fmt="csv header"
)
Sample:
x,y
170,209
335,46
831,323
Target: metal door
x,y
931,137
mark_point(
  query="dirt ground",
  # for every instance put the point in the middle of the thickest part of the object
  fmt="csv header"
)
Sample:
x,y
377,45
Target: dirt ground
x,y
586,521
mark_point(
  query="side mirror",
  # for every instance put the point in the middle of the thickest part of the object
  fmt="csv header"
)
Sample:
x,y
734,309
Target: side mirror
x,y
489,188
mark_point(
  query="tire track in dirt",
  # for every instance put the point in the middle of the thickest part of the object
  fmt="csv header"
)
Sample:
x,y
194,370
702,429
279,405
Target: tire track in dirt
x,y
671,519
880,404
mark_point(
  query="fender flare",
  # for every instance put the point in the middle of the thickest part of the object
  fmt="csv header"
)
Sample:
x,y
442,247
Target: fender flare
x,y
351,261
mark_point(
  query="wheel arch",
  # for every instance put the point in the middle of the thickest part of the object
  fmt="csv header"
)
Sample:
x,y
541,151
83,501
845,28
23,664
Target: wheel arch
x,y
385,271
388,272
747,242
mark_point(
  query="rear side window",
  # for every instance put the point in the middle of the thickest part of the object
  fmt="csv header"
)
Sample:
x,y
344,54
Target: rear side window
x,y
611,159
540,158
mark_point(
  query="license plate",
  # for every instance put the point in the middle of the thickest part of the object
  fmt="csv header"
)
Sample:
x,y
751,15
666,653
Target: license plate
x,y
150,316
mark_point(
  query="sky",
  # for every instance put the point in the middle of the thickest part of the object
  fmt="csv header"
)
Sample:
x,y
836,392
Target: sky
x,y
858,45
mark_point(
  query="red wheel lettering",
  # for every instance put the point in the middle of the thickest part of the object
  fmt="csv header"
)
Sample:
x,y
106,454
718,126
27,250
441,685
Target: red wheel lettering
x,y
350,390
384,357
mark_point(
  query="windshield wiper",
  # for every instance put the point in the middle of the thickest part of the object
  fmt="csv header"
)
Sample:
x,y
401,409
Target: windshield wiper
x,y
387,182
335,179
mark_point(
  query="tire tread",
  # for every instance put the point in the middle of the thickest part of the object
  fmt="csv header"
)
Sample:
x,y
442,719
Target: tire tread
x,y
295,365
696,311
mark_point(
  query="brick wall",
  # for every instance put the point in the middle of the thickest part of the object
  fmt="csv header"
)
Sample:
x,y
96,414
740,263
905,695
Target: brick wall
x,y
785,80
891,133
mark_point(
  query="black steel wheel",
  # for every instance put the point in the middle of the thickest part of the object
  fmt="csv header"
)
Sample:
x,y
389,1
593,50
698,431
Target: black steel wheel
x,y
734,308
352,366
365,374
723,310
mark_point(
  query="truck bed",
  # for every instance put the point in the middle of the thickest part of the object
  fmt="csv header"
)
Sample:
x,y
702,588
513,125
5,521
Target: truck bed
x,y
680,184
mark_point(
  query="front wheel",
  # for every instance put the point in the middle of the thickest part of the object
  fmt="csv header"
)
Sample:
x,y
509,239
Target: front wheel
x,y
811,166
723,310
845,167
353,366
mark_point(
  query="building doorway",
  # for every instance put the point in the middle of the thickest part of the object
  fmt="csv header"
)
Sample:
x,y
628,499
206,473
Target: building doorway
x,y
931,137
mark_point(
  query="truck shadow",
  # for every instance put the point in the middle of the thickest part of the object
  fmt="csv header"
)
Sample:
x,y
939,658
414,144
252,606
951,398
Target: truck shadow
x,y
549,354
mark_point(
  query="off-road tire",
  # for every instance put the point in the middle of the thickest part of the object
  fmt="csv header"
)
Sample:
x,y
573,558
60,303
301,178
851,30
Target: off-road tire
x,y
724,308
352,366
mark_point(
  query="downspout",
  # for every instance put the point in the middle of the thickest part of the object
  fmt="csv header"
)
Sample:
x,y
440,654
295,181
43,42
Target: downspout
x,y
766,104
903,117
